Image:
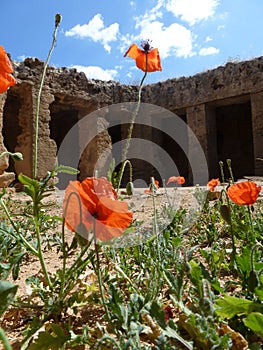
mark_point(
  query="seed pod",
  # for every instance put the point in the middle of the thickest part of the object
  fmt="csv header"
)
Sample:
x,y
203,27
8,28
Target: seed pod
x,y
129,188
58,19
225,213
253,280
81,235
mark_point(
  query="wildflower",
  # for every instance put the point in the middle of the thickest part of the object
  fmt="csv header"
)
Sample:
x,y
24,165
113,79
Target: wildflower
x,y
180,180
150,64
94,205
154,187
168,313
213,183
244,193
6,79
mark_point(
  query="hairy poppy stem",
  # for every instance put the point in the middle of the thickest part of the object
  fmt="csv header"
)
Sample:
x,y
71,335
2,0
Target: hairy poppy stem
x,y
21,237
40,253
99,273
4,340
251,224
57,22
134,115
62,286
233,253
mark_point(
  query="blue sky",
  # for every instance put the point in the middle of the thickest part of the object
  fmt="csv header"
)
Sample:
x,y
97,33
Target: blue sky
x,y
192,35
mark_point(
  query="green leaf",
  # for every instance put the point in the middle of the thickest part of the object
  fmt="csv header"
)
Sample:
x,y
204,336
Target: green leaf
x,y
25,180
51,339
259,292
229,306
66,170
196,275
7,293
254,321
171,333
158,313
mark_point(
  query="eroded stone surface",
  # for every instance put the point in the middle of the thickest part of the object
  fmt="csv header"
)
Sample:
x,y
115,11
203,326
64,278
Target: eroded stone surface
x,y
223,107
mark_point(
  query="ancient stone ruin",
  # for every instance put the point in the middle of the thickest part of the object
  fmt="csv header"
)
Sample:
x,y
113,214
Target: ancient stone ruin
x,y
223,107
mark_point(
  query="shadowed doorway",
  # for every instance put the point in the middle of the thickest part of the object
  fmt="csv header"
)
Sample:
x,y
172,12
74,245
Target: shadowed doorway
x,y
235,138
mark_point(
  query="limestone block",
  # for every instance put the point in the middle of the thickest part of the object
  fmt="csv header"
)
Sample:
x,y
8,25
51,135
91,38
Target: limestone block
x,y
6,179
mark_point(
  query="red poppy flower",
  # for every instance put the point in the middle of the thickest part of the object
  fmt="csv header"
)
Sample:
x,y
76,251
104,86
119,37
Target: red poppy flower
x,y
244,193
6,79
153,57
94,204
156,187
168,313
180,180
213,183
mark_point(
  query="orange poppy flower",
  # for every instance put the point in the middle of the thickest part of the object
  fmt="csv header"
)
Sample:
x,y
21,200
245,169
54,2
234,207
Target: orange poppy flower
x,y
180,180
156,187
153,57
213,183
93,204
244,193
6,79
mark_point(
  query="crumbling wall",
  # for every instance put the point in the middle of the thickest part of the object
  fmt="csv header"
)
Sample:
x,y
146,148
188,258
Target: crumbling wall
x,y
207,102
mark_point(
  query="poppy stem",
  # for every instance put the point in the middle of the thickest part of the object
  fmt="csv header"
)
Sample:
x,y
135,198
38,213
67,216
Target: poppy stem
x,y
251,224
62,286
228,161
57,22
221,165
21,237
233,253
133,117
99,273
4,340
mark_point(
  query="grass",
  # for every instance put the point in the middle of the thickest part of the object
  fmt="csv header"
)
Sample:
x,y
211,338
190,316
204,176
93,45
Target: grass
x,y
181,289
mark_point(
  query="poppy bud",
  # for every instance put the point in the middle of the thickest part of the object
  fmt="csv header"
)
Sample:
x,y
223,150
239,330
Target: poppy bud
x,y
80,234
129,188
58,19
225,213
17,156
253,280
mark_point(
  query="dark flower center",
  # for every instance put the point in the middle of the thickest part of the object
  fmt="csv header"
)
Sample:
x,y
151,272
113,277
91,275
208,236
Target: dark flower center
x,y
146,45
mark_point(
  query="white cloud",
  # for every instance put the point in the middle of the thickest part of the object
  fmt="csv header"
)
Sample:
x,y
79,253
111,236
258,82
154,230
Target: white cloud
x,y
175,39
21,58
96,31
95,72
192,11
204,51
208,38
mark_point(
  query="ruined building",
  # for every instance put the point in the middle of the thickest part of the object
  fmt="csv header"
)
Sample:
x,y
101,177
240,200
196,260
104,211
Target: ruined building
x,y
223,107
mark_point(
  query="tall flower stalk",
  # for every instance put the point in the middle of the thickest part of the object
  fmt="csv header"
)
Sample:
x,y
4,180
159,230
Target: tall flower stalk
x,y
57,22
148,60
128,141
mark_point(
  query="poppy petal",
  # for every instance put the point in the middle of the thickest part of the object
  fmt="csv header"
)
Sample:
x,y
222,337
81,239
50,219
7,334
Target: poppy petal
x,y
178,179
113,218
153,58
74,211
133,51
93,204
244,193
6,79
213,183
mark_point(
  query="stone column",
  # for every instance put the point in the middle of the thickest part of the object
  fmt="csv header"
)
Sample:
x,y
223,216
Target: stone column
x,y
257,126
95,144
5,178
25,143
212,153
197,122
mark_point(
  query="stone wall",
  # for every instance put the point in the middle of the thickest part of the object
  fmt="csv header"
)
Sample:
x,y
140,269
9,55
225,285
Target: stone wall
x,y
223,107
